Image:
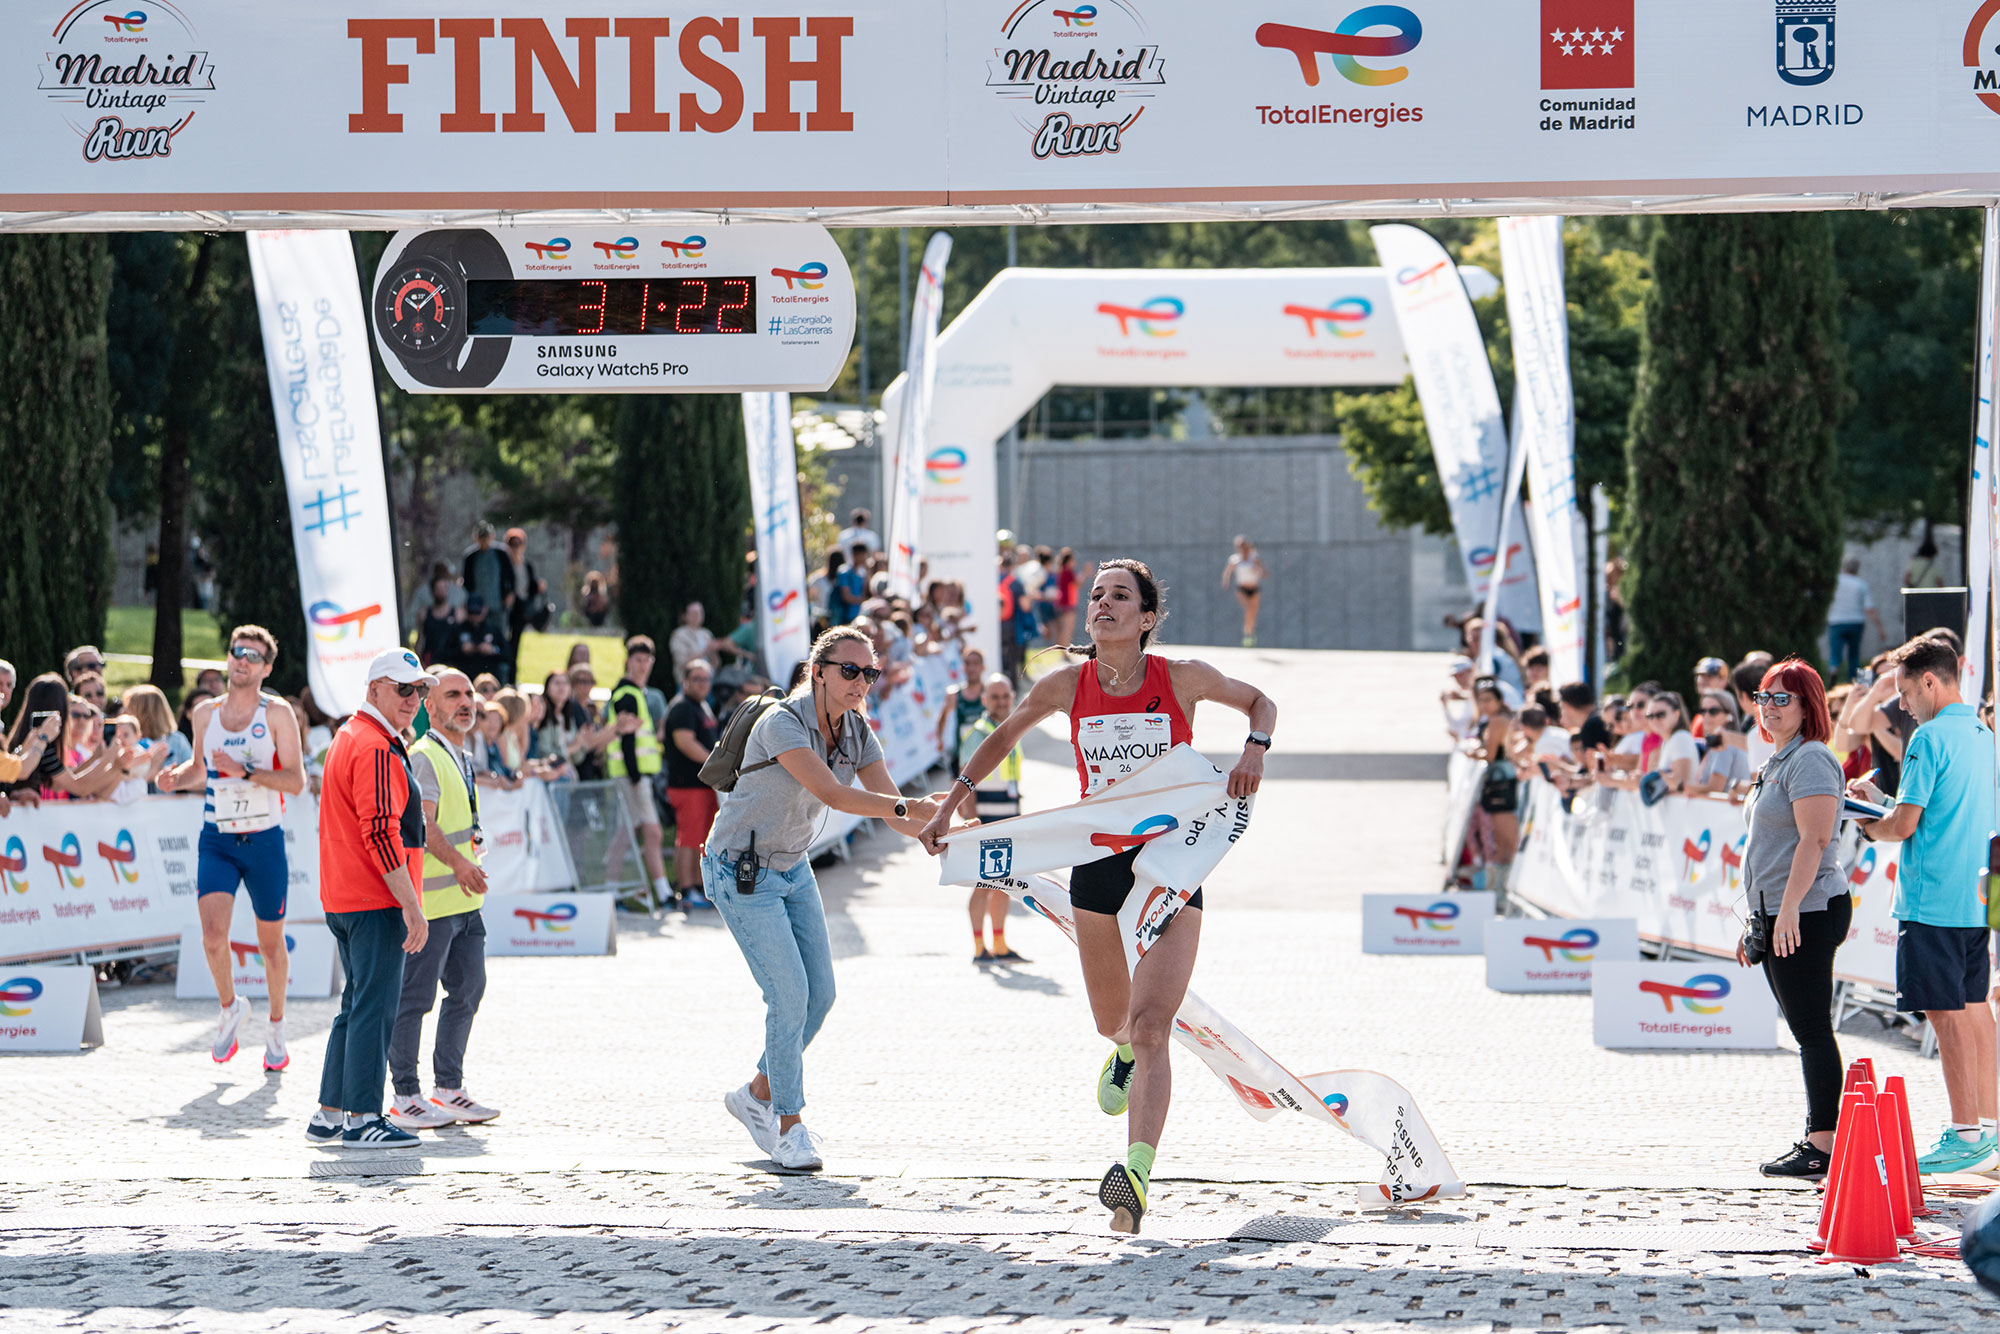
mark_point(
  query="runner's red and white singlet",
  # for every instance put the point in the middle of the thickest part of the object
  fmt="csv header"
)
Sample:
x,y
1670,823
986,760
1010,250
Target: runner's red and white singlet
x,y
1115,735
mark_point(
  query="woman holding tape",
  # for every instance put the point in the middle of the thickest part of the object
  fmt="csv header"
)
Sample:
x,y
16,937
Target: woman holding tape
x,y
1147,703
1794,888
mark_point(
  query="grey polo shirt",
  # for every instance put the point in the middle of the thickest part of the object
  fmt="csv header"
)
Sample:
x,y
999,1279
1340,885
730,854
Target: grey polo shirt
x,y
1802,769
776,805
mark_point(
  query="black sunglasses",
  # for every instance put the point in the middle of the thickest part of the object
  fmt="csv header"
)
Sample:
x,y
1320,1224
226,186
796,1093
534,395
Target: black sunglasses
x,y
409,688
1777,699
1715,709
87,667
249,655
849,671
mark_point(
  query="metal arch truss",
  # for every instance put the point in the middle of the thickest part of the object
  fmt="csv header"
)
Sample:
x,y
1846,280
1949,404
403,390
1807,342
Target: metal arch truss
x,y
996,215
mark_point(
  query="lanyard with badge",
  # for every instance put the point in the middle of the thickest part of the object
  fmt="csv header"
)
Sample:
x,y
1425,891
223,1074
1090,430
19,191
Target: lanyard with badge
x,y
471,796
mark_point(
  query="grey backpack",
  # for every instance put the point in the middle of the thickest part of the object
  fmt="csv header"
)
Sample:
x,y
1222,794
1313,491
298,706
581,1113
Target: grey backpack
x,y
724,765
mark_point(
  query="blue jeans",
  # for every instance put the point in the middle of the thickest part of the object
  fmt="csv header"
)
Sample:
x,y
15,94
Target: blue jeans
x,y
1843,644
781,929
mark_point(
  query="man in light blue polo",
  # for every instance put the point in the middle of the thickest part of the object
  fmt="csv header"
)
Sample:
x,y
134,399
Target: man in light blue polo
x,y
1944,818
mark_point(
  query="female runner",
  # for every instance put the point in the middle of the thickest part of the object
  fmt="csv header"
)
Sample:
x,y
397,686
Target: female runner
x,y
1154,698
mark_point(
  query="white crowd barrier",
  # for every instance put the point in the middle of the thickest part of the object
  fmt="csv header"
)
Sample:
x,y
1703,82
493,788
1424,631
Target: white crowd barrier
x,y
78,876
1676,867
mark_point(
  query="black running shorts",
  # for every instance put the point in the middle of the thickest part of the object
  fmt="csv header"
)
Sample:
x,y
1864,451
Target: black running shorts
x,y
1101,886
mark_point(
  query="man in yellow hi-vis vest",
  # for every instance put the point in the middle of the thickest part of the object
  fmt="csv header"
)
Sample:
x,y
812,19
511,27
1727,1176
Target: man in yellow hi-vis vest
x,y
633,759
454,890
997,798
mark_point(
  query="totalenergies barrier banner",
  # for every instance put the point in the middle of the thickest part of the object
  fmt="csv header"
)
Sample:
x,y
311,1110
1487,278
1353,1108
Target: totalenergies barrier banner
x,y
1184,824
49,1007
92,875
1676,868
618,104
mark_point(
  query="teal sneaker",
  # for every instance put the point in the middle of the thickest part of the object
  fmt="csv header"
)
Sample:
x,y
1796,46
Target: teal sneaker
x,y
1114,1083
1952,1153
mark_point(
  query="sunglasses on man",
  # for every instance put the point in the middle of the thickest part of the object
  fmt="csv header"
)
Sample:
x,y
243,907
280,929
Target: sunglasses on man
x,y
244,653
849,671
1777,699
409,688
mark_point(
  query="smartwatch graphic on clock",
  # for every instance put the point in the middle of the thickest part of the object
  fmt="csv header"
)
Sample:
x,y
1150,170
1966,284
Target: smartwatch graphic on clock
x,y
421,309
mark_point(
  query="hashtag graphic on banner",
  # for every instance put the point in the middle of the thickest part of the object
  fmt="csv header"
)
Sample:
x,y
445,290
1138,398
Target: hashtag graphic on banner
x,y
1476,483
776,324
318,504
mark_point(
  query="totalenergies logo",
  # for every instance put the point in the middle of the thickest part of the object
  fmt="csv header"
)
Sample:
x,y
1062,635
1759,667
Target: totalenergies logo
x,y
1438,917
1143,832
332,622
1577,945
781,604
547,920
1152,319
945,467
1703,987
625,247
1080,17
1566,610
15,993
553,248
246,951
1864,869
1336,1103
1348,47
14,865
1694,857
807,276
1732,864
67,859
1343,318
1416,277
688,247
123,856
134,21
1482,559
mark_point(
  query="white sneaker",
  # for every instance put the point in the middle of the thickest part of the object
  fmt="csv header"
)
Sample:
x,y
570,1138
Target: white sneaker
x,y
414,1113
756,1116
225,1031
276,1057
461,1106
798,1150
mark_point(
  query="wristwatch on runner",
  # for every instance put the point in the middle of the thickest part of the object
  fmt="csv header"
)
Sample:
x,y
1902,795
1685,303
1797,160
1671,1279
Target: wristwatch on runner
x,y
421,309
902,809
1259,739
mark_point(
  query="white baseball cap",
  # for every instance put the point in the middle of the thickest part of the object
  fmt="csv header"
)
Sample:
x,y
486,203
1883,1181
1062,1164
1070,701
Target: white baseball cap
x,y
398,665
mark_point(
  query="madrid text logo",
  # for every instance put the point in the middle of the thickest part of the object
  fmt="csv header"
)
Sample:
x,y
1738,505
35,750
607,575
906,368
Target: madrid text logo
x,y
67,858
1438,917
1344,318
93,80
1577,945
807,276
556,918
946,466
1691,994
688,248
1356,38
1143,832
332,622
1055,56
1805,41
1155,319
554,248
1985,82
14,865
15,995
122,856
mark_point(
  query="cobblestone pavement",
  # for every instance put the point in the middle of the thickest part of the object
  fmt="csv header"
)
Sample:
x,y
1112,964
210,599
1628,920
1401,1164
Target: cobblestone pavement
x,y
144,1187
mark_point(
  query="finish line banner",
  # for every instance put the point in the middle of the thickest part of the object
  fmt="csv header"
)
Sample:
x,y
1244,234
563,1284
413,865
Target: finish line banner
x,y
635,104
1192,823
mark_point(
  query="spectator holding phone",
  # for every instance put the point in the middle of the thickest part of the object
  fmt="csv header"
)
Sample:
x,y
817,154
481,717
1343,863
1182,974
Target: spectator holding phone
x,y
1791,874
1723,765
33,755
1943,817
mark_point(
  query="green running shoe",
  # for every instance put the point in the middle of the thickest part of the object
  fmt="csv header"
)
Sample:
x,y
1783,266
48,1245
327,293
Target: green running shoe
x,y
1122,1194
1955,1154
1114,1084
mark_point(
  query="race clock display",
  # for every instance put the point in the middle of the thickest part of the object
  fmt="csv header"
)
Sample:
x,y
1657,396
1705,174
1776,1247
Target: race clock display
x,y
745,307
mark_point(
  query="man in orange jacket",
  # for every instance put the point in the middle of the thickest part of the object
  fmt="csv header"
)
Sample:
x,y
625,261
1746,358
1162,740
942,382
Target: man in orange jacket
x,y
371,861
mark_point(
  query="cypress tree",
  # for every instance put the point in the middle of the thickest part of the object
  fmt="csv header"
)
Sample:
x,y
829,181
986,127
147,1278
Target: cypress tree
x,y
55,434
683,509
1733,526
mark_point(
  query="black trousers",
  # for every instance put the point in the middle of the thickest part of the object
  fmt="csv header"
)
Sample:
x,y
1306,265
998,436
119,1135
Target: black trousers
x,y
357,1046
1803,983
454,953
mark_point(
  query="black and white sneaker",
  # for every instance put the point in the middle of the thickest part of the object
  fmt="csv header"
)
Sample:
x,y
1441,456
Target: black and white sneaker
x,y
1803,1162
377,1134
319,1130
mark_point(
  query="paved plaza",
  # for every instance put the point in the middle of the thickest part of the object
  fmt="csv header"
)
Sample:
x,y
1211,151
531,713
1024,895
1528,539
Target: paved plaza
x,y
143,1187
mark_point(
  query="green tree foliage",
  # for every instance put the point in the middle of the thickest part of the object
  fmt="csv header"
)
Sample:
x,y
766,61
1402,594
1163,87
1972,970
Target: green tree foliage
x,y
1910,320
55,434
1733,526
682,502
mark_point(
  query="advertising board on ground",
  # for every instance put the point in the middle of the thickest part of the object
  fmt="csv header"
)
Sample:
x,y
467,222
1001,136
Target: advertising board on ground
x,y
1552,954
49,1007
1703,1004
1425,923
550,924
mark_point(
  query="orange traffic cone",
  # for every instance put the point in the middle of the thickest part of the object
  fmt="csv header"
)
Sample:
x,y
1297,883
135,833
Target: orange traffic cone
x,y
1860,1075
1867,1064
1836,1172
1862,1230
1889,1120
1894,1084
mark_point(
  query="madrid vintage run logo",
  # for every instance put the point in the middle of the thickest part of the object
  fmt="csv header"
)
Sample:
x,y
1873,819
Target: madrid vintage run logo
x,y
1076,77
128,78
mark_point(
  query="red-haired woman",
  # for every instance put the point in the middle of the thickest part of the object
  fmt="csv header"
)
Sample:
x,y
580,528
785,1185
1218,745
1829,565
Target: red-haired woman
x,y
1792,875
